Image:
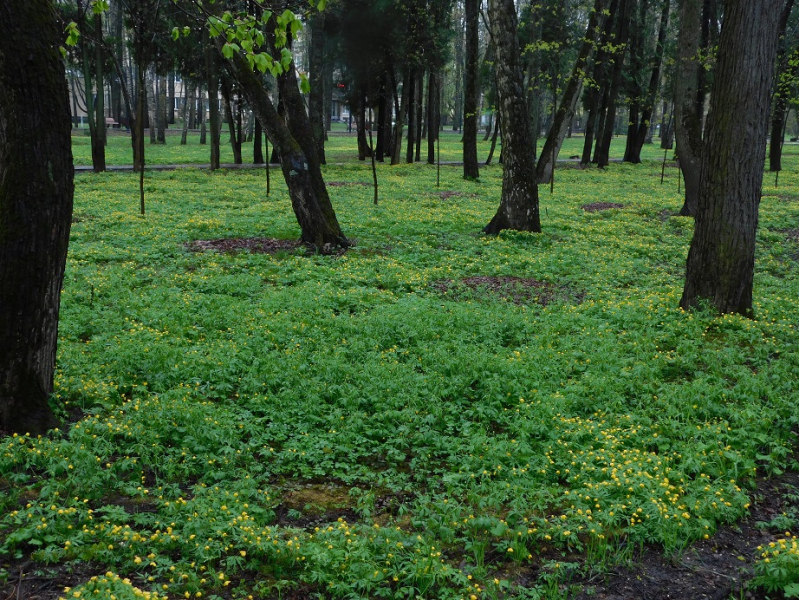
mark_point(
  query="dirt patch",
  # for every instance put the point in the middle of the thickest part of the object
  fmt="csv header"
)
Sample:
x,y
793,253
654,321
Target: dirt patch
x,y
598,206
792,235
514,289
715,568
343,183
447,194
314,504
253,245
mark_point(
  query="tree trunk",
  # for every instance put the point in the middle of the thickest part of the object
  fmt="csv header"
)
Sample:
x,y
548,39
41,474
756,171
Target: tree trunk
x,y
396,152
412,115
635,87
36,190
602,153
518,207
471,169
99,106
116,16
721,258
644,128
316,97
433,115
258,144
170,103
687,121
202,118
97,146
418,103
301,171
458,99
494,139
188,113
213,105
571,94
161,118
235,140
786,74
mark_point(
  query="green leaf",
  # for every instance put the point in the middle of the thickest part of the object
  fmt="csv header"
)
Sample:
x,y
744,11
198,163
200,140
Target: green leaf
x,y
175,33
228,50
791,590
305,85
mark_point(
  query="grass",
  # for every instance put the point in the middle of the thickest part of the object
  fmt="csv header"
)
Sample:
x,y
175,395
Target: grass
x,y
368,426
340,147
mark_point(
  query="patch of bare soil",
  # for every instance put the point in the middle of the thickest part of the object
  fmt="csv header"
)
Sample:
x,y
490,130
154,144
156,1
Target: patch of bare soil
x,y
792,235
253,245
514,289
712,569
447,194
343,183
598,206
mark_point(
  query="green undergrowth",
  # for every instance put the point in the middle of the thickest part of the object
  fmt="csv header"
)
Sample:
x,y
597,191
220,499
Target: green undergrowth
x,y
374,424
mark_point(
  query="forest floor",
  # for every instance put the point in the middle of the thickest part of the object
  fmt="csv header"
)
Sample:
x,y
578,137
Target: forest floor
x,y
434,413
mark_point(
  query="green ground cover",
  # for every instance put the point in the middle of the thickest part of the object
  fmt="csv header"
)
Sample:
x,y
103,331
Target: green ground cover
x,y
376,425
341,147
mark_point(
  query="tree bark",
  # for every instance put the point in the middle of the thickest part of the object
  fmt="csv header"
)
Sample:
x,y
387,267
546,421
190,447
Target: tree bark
x,y
170,111
399,125
602,152
518,207
413,115
36,192
433,115
651,94
235,140
301,171
99,106
258,144
471,169
721,259
687,120
565,112
786,74
316,97
213,105
188,112
161,116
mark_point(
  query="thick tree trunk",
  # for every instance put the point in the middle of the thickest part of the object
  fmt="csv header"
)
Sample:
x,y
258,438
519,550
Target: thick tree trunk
x,y
316,97
471,169
363,145
383,107
97,145
36,190
565,112
202,118
301,171
721,259
518,207
419,113
116,17
687,120
213,105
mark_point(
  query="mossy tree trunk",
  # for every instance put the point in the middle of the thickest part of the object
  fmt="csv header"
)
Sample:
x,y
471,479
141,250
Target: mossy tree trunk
x,y
36,190
721,259
518,208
